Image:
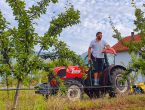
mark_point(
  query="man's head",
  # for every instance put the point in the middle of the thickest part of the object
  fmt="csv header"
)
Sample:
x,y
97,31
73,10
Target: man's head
x,y
99,35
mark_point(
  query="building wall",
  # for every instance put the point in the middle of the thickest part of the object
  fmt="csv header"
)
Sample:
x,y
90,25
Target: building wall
x,y
122,56
125,58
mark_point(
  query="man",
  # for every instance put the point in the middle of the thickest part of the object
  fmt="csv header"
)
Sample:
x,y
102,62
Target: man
x,y
98,47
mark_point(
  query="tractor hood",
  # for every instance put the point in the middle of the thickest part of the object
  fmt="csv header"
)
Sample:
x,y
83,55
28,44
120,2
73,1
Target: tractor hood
x,y
70,69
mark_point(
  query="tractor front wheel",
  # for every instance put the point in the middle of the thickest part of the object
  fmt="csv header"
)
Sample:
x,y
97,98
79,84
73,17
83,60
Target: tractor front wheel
x,y
75,90
119,87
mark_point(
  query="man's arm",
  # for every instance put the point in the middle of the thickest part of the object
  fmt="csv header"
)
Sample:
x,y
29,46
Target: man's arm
x,y
106,48
89,54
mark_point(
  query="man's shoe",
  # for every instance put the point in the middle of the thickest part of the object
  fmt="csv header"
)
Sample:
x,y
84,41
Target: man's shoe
x,y
96,84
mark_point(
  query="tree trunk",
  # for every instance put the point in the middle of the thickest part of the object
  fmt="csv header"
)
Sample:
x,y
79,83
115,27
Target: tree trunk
x,y
7,86
29,83
15,104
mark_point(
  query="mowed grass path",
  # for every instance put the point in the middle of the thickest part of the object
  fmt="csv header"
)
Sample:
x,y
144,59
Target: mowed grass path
x,y
28,100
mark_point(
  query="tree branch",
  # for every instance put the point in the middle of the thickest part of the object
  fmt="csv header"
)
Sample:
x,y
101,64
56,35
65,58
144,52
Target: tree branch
x,y
18,7
35,62
36,11
6,70
41,8
40,52
7,55
9,29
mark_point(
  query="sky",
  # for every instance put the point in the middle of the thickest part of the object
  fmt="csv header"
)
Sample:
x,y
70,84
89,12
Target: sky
x,y
93,17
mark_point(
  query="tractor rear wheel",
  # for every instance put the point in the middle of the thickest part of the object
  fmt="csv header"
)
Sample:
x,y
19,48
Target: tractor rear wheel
x,y
75,90
118,86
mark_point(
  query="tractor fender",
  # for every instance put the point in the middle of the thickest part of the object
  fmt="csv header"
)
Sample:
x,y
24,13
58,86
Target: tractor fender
x,y
79,79
105,76
111,68
67,79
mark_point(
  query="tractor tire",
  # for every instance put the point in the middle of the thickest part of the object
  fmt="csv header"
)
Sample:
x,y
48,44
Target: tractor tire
x,y
49,92
75,90
117,86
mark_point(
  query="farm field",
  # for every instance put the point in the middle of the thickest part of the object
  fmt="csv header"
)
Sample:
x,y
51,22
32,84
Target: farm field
x,y
28,100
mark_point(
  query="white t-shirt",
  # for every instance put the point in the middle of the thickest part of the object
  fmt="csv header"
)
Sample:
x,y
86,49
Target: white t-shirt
x,y
98,47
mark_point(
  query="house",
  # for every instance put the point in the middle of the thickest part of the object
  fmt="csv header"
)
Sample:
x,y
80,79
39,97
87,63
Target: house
x,y
122,52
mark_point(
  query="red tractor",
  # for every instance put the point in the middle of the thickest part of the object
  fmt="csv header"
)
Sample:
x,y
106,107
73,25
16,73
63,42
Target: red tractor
x,y
77,86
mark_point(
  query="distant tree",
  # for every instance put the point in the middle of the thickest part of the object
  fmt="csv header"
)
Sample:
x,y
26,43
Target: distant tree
x,y
7,80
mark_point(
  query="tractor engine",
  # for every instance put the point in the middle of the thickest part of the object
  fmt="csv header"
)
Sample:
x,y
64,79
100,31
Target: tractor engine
x,y
72,72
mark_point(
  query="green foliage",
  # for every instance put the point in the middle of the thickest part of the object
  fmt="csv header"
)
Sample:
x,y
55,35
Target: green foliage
x,y
35,75
19,42
8,79
27,81
134,47
1,105
24,39
133,77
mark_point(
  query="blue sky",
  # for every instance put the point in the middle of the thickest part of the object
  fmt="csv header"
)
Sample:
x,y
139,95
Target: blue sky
x,y
94,18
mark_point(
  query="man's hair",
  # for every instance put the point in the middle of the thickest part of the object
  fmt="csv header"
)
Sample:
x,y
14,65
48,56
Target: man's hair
x,y
98,33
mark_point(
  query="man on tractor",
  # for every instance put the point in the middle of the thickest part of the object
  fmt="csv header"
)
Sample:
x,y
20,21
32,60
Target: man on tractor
x,y
98,48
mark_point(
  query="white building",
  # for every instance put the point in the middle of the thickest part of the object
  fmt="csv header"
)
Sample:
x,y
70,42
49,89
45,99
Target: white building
x,y
123,55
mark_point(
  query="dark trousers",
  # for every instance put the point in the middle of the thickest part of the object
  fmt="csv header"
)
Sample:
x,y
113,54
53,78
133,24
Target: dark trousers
x,y
97,64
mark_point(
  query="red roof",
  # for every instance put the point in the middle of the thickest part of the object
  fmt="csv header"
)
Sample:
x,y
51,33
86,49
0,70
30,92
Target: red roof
x,y
119,47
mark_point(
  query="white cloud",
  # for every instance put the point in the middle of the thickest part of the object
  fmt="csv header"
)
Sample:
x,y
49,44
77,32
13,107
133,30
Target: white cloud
x,y
93,1
119,27
94,18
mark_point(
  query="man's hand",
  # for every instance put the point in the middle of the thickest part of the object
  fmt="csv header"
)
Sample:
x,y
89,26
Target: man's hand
x,y
89,59
106,48
103,50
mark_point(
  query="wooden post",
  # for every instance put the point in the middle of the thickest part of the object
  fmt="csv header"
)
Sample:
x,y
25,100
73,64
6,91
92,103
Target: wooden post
x,y
39,79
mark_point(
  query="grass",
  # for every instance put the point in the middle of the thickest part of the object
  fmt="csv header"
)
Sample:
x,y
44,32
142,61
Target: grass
x,y
28,100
